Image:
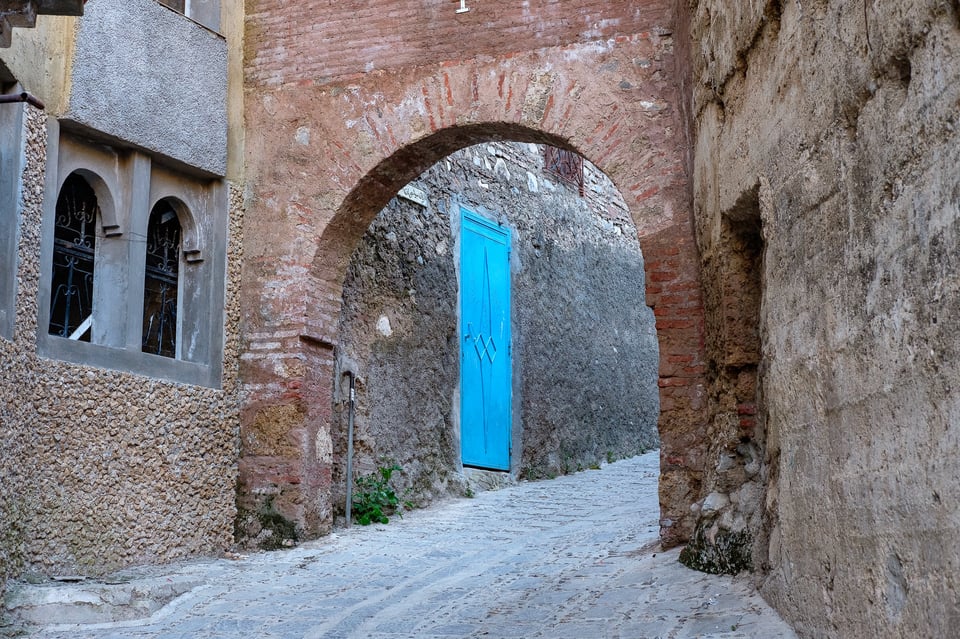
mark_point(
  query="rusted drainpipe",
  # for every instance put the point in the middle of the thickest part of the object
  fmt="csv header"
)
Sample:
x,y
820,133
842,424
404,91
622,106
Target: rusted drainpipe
x,y
6,98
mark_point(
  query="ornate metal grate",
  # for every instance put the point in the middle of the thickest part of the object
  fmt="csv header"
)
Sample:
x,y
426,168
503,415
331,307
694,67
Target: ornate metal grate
x,y
567,166
74,244
160,287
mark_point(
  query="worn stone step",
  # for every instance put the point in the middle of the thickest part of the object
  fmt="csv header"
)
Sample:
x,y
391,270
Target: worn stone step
x,y
92,601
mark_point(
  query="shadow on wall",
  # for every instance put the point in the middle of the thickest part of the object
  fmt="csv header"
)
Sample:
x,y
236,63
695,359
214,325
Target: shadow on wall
x,y
585,353
724,540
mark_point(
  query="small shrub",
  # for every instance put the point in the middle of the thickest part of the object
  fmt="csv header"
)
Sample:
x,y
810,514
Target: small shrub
x,y
374,499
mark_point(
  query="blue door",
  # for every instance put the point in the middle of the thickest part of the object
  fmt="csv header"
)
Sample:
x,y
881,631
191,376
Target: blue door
x,y
485,366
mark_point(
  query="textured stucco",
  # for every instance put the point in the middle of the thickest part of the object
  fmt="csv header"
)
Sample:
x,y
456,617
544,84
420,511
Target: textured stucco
x,y
832,127
101,469
585,352
154,79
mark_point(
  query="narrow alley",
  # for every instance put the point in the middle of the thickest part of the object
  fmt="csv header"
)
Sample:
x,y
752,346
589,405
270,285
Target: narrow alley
x,y
572,557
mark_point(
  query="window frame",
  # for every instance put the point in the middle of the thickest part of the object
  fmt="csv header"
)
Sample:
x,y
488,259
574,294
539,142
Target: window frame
x,y
95,234
169,205
133,183
12,164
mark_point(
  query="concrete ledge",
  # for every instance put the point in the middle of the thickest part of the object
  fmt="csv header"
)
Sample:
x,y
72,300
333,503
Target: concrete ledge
x,y
480,480
90,602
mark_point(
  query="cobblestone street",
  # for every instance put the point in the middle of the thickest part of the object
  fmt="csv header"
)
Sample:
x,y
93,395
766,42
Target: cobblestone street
x,y
574,557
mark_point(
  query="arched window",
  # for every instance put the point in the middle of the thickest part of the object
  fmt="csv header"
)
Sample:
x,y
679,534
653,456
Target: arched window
x,y
71,290
160,288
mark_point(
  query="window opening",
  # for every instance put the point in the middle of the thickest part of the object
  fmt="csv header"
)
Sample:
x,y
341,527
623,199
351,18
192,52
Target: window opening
x,y
74,243
161,281
565,165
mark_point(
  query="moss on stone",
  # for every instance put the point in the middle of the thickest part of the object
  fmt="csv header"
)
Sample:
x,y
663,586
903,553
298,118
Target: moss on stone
x,y
729,554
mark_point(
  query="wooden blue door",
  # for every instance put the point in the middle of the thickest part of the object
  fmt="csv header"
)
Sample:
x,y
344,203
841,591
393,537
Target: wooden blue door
x,y
485,366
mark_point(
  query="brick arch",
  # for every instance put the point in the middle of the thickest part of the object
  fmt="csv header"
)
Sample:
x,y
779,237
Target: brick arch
x,y
376,188
378,131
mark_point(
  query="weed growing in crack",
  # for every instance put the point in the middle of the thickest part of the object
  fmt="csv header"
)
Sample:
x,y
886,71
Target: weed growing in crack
x,y
375,499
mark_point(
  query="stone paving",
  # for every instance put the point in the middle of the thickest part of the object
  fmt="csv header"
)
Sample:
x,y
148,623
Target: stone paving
x,y
575,557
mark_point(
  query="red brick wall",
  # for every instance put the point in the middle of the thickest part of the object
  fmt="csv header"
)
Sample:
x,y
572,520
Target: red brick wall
x,y
674,293
323,157
317,41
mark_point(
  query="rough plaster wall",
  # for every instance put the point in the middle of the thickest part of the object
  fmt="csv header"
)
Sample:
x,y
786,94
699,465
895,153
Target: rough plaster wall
x,y
585,350
842,118
101,469
403,271
153,78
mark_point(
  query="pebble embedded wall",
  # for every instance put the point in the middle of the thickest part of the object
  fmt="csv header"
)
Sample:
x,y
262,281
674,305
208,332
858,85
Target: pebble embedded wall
x,y
585,348
851,170
94,476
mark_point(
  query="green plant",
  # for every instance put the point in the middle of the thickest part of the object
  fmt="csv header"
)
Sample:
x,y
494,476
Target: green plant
x,y
374,498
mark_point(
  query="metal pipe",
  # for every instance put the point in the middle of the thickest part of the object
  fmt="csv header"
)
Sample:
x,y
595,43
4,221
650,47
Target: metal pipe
x,y
353,402
7,98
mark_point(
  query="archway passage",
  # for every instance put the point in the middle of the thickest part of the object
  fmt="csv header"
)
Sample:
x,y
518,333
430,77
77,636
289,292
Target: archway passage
x,y
542,243
329,157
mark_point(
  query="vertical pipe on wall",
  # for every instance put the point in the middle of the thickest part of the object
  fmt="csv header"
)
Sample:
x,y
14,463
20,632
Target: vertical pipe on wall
x,y
353,402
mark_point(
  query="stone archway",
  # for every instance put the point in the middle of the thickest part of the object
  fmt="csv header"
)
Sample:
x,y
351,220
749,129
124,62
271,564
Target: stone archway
x,y
328,157
583,357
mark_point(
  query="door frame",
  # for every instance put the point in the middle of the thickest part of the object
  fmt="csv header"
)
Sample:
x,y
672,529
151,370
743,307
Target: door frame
x,y
483,217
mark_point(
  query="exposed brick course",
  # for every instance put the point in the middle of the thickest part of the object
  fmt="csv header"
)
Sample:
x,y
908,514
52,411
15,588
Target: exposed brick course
x,y
325,156
321,41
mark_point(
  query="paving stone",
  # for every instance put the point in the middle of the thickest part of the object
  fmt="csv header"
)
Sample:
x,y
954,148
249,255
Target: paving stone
x,y
472,568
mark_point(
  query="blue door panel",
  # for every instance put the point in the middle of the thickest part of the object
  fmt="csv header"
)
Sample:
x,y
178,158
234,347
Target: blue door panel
x,y
485,363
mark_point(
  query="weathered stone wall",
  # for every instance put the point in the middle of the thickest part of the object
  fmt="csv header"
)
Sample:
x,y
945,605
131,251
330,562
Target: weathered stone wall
x,y
584,343
827,146
327,146
101,469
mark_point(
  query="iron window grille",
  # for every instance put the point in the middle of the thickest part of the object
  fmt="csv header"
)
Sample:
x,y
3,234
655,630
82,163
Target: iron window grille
x,y
74,246
161,282
566,166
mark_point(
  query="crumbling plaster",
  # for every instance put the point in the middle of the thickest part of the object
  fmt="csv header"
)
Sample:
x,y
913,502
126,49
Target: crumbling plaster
x,y
41,59
839,120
